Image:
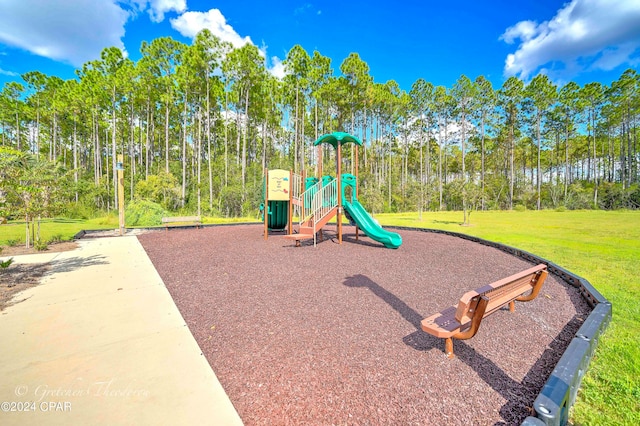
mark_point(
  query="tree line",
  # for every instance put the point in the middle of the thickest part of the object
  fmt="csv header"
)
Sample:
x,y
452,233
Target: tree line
x,y
197,124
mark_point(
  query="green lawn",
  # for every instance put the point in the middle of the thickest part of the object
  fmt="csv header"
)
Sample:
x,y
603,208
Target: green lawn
x,y
601,246
61,229
604,248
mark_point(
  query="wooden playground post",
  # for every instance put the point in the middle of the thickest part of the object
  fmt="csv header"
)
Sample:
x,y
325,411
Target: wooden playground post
x,y
290,214
265,212
120,169
339,177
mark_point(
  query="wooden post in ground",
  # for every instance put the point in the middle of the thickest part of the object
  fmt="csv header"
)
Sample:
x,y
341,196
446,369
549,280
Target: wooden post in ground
x,y
120,168
290,213
265,212
339,177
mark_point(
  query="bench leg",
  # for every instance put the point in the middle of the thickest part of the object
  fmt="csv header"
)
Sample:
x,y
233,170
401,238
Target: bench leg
x,y
539,280
448,347
512,306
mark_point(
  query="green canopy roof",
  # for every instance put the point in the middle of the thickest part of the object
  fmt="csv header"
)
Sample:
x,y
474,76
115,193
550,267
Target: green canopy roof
x,y
337,137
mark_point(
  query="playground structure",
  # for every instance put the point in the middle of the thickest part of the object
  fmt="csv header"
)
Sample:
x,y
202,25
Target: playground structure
x,y
282,189
315,201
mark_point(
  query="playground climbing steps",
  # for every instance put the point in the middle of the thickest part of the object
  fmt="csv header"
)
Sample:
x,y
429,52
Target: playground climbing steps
x,y
318,205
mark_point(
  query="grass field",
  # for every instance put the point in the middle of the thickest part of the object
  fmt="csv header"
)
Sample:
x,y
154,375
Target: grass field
x,y
604,248
61,229
601,246
51,230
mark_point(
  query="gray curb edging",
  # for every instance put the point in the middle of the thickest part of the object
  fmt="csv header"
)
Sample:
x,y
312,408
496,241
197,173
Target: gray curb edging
x,y
561,388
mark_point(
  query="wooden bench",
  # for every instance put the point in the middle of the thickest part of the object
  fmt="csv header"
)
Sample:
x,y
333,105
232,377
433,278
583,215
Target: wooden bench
x,y
185,220
462,321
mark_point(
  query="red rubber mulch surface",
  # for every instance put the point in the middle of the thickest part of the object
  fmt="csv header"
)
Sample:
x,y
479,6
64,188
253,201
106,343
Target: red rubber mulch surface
x,y
331,334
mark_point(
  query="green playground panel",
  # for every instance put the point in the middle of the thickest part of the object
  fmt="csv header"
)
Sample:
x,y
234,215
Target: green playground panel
x,y
278,215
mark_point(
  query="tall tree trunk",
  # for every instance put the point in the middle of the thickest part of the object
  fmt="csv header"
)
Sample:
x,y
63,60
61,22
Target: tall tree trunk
x,y
146,140
166,137
226,138
421,167
113,146
482,160
389,173
295,134
132,157
539,175
184,152
566,164
630,152
96,149
18,131
75,156
106,165
512,154
199,161
208,127
54,142
464,173
440,149
244,143
38,129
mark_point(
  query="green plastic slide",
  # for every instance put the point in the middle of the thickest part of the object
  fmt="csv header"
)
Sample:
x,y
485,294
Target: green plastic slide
x,y
369,226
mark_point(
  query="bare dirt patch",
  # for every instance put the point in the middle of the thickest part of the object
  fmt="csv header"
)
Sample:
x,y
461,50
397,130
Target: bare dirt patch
x,y
52,248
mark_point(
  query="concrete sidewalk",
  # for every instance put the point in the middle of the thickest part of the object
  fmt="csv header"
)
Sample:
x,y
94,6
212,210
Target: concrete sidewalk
x,y
100,341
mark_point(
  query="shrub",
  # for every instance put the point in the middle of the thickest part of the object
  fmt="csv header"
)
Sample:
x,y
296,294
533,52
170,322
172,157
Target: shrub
x,y
162,188
80,211
143,213
520,208
579,197
56,239
231,200
13,242
40,245
110,219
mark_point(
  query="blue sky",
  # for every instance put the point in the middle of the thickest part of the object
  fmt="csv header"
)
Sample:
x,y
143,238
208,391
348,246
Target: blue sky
x,y
579,40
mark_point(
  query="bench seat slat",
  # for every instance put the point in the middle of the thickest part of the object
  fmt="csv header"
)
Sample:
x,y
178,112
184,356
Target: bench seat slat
x,y
460,322
181,219
499,292
191,220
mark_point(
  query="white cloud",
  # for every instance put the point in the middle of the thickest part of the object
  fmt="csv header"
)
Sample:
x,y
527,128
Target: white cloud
x,y
157,8
523,30
583,35
9,73
277,68
191,23
73,31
